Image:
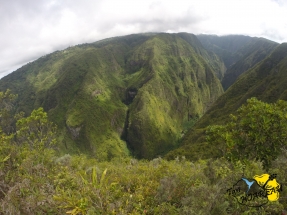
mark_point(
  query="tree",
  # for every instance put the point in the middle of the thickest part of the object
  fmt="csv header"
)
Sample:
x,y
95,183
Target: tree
x,y
36,131
6,107
257,131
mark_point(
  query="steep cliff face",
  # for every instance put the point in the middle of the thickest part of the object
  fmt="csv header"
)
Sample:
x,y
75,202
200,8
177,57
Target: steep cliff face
x,y
213,60
121,95
266,80
180,86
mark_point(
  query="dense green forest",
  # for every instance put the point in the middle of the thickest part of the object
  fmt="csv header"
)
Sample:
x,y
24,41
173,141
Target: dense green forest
x,y
141,124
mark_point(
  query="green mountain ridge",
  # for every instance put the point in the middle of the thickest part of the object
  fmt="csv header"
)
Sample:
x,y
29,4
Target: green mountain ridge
x,y
266,81
238,52
252,53
131,93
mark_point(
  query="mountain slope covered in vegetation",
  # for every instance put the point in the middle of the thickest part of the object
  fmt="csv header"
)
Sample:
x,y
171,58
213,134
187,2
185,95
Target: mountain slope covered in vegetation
x,y
132,93
265,81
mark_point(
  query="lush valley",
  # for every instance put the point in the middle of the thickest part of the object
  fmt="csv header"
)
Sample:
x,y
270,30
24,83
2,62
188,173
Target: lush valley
x,y
140,124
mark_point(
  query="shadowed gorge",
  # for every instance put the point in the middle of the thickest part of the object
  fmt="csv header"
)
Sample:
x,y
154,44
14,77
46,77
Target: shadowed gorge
x,y
134,92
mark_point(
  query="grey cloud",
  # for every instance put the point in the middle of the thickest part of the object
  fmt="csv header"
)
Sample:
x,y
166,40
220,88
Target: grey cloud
x,y
157,20
273,34
32,28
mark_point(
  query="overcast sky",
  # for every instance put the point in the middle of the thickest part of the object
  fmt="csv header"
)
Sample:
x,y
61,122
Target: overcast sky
x,y
30,29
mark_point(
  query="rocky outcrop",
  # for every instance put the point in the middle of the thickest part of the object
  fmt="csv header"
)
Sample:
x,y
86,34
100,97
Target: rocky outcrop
x,y
75,132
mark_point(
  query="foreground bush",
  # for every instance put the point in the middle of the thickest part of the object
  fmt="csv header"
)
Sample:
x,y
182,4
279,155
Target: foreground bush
x,y
258,131
34,182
